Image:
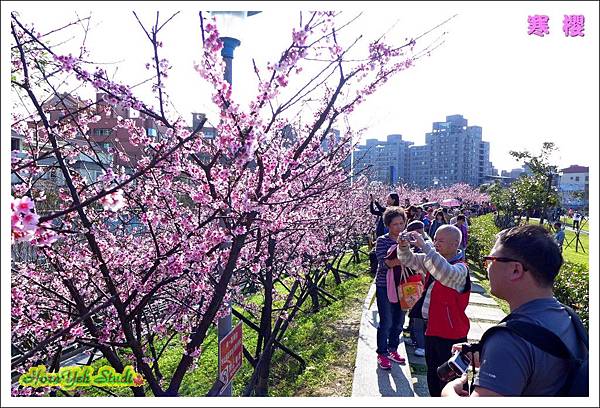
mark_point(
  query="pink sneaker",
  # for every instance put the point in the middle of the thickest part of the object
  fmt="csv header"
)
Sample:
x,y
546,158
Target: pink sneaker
x,y
394,356
384,362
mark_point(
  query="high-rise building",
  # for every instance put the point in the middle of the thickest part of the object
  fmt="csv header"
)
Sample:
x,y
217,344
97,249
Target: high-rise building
x,y
453,153
456,154
385,161
420,166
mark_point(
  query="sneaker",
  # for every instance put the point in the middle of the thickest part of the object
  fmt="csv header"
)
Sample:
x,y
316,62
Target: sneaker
x,y
384,362
394,356
420,352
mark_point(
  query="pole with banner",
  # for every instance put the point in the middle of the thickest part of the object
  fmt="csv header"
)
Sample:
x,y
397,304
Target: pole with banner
x,y
231,349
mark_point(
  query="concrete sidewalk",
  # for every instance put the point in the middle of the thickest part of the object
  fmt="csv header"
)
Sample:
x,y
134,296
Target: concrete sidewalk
x,y
369,380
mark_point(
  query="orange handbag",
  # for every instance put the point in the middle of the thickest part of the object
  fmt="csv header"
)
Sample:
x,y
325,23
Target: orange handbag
x,y
409,290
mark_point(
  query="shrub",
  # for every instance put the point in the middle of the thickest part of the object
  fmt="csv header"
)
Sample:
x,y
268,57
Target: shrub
x,y
571,287
482,236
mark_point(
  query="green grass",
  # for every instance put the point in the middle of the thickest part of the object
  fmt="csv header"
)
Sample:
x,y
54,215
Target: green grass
x,y
569,253
566,221
569,222
317,338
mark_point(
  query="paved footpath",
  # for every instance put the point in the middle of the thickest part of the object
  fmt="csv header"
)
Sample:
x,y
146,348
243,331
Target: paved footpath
x,y
371,381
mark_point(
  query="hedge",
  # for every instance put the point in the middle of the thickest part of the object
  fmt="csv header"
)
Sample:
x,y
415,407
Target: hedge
x,y
482,236
571,287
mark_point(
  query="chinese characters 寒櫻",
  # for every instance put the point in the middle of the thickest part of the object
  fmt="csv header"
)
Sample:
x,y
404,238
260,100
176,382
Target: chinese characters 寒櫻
x,y
573,25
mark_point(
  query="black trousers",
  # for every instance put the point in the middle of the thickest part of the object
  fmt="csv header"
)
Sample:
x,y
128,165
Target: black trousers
x,y
373,263
437,352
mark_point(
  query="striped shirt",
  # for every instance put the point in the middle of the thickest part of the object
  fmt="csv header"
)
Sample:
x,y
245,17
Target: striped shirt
x,y
382,246
451,276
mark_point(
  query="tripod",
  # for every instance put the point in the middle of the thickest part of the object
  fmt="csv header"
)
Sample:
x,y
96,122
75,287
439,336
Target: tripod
x,y
576,237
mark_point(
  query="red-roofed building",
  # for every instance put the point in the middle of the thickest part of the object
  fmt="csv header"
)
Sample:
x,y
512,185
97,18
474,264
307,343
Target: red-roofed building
x,y
576,169
105,132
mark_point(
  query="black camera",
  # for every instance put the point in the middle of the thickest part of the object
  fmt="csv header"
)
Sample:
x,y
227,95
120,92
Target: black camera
x,y
407,237
458,363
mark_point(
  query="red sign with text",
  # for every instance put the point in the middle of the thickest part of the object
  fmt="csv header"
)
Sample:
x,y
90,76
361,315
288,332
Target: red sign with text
x,y
230,354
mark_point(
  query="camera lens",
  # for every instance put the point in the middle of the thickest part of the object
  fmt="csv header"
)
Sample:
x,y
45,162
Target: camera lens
x,y
446,373
456,366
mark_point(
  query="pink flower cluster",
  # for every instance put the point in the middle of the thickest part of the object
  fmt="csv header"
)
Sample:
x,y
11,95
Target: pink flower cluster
x,y
113,202
67,61
24,224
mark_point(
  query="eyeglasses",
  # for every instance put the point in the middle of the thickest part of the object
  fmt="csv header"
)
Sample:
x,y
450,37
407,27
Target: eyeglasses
x,y
487,260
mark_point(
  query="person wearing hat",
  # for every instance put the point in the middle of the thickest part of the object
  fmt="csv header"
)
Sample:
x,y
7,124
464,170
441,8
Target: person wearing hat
x,y
418,226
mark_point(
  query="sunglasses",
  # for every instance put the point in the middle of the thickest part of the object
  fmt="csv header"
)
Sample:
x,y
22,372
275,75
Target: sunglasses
x,y
487,260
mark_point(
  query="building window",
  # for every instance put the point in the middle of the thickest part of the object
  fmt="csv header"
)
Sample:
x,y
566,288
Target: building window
x,y
101,132
577,178
15,144
586,178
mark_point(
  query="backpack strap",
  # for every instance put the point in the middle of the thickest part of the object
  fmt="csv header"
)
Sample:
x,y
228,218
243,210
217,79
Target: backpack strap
x,y
539,336
545,340
579,328
535,334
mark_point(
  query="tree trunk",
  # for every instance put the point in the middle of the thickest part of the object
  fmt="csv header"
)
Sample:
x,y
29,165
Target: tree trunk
x,y
262,382
545,206
336,274
264,368
313,291
356,254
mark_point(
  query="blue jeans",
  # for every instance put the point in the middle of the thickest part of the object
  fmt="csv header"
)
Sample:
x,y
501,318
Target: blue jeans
x,y
391,319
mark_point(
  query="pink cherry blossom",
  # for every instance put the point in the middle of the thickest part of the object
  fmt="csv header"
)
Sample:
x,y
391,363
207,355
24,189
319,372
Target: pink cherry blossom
x,y
192,220
113,202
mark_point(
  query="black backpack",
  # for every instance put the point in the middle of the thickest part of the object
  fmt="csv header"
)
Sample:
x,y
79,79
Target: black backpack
x,y
577,384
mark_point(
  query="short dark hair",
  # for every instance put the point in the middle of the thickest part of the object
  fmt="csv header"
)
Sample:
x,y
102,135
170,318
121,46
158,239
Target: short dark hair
x,y
557,224
392,212
461,217
396,198
536,248
415,225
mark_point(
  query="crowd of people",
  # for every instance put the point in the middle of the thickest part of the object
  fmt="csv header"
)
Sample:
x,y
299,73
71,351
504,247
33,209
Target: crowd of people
x,y
430,244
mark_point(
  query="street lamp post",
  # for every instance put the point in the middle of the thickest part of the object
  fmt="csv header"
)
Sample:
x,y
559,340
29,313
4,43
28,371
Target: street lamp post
x,y
229,24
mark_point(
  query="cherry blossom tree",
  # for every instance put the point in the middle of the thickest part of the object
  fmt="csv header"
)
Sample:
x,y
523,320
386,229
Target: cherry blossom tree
x,y
155,250
465,193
